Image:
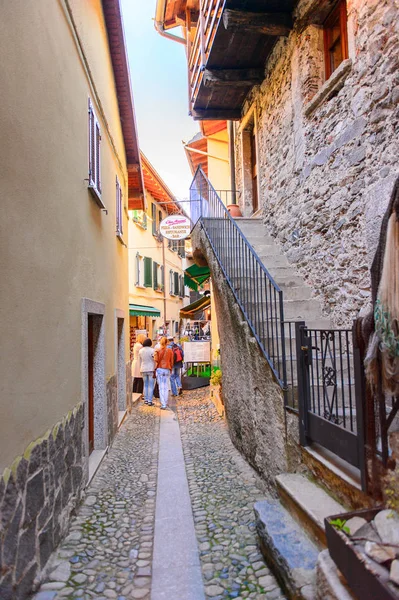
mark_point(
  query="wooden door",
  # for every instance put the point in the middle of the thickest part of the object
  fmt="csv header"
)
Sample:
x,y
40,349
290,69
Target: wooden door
x,y
254,172
90,378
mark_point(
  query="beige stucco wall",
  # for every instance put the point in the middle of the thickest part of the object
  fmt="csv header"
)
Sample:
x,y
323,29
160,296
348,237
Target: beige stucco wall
x,y
56,246
142,240
219,170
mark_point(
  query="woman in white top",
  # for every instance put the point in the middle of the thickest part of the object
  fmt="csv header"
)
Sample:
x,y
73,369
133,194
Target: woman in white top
x,y
137,379
147,367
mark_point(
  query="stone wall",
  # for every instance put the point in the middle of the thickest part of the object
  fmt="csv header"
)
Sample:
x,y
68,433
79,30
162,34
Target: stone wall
x,y
112,408
328,152
253,400
37,495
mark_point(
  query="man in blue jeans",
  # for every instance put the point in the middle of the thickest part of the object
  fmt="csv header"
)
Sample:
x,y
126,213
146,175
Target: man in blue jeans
x,y
178,356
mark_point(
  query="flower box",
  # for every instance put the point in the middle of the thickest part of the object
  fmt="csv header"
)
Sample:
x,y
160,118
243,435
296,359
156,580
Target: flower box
x,y
365,581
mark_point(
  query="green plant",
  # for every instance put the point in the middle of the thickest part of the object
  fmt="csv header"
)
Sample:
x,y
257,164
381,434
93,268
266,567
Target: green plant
x,y
216,377
339,524
391,491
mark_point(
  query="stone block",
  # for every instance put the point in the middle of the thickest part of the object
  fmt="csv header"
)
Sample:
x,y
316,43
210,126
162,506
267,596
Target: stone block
x,y
10,499
11,538
34,497
46,544
26,550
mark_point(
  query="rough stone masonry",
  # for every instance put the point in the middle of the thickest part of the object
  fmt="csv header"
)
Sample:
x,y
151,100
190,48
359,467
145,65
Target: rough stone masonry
x,y
327,150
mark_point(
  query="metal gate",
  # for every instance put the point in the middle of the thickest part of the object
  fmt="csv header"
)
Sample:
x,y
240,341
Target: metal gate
x,y
330,398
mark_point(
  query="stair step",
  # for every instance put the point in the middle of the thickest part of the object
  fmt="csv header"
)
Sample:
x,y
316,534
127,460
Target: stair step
x,y
289,552
308,503
331,584
294,310
300,292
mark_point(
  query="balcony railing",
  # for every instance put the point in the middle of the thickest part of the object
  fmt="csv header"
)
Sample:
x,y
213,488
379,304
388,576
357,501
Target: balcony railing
x,y
198,51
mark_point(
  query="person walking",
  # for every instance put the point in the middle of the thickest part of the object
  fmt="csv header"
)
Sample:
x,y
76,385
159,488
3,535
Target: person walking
x,y
137,378
163,366
147,367
178,357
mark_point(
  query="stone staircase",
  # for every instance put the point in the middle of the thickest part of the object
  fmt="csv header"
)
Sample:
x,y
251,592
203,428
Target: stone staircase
x,y
298,304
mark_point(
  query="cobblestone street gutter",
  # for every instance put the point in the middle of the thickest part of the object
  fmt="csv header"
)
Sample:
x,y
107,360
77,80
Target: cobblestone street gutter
x,y
108,552
223,489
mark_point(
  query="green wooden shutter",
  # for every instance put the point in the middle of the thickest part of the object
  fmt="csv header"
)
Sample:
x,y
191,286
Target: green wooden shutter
x,y
147,272
176,282
155,275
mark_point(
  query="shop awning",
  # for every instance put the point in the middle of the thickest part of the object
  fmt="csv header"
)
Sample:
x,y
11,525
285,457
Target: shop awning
x,y
189,311
195,276
139,310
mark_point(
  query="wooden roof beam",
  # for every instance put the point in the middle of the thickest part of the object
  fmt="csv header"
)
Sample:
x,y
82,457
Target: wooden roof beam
x,y
233,77
274,24
212,114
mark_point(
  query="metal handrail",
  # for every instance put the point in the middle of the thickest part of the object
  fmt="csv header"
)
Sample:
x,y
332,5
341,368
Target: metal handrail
x,y
256,292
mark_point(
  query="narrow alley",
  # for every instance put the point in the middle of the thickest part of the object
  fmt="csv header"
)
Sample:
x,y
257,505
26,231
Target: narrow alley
x,y
133,536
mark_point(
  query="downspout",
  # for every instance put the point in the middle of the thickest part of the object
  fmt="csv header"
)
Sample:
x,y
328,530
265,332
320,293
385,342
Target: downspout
x,y
230,126
159,23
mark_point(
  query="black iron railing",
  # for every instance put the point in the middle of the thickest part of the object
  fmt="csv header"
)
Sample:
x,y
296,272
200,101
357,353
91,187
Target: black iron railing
x,y
256,292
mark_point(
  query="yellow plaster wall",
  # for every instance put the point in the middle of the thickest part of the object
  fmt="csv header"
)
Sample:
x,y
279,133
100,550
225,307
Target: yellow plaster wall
x,y
219,170
56,245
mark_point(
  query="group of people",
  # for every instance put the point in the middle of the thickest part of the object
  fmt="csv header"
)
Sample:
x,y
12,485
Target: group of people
x,y
161,364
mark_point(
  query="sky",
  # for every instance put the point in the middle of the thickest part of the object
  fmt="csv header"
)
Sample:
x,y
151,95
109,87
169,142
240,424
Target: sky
x,y
158,71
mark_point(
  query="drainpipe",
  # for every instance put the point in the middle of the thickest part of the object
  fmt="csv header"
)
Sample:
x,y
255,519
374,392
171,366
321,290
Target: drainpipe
x,y
233,208
230,127
159,24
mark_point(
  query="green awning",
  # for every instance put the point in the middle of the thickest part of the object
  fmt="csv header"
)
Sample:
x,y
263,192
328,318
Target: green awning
x,y
189,311
139,310
195,276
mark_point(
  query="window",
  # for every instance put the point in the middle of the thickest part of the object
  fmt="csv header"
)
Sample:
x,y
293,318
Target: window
x,y
155,267
335,38
176,283
119,215
157,277
154,218
160,218
181,249
140,217
181,286
147,272
162,270
171,287
94,154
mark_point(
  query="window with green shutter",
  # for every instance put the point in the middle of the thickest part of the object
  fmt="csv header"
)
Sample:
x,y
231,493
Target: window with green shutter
x,y
176,284
155,275
147,272
162,277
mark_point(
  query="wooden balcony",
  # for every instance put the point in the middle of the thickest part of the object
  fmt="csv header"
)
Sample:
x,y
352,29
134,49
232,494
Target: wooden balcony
x,y
227,53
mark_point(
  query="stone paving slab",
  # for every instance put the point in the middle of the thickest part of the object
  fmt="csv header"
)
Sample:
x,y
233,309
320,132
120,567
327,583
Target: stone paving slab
x,y
223,489
108,552
176,564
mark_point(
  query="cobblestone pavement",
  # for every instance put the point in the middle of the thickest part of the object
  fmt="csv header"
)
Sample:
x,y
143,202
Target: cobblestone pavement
x,y
223,489
108,551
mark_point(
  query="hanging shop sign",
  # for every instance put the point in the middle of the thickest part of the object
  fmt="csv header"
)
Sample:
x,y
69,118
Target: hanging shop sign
x,y
175,227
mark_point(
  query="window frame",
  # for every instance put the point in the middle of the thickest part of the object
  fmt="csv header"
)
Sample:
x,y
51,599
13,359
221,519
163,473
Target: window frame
x,y
154,218
94,154
139,270
340,13
119,209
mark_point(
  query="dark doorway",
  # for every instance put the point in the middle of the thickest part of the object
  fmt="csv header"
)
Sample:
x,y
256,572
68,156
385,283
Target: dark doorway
x,y
90,376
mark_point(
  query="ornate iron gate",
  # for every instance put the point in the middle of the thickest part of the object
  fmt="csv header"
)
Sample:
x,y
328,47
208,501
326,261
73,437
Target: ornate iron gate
x,y
329,392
